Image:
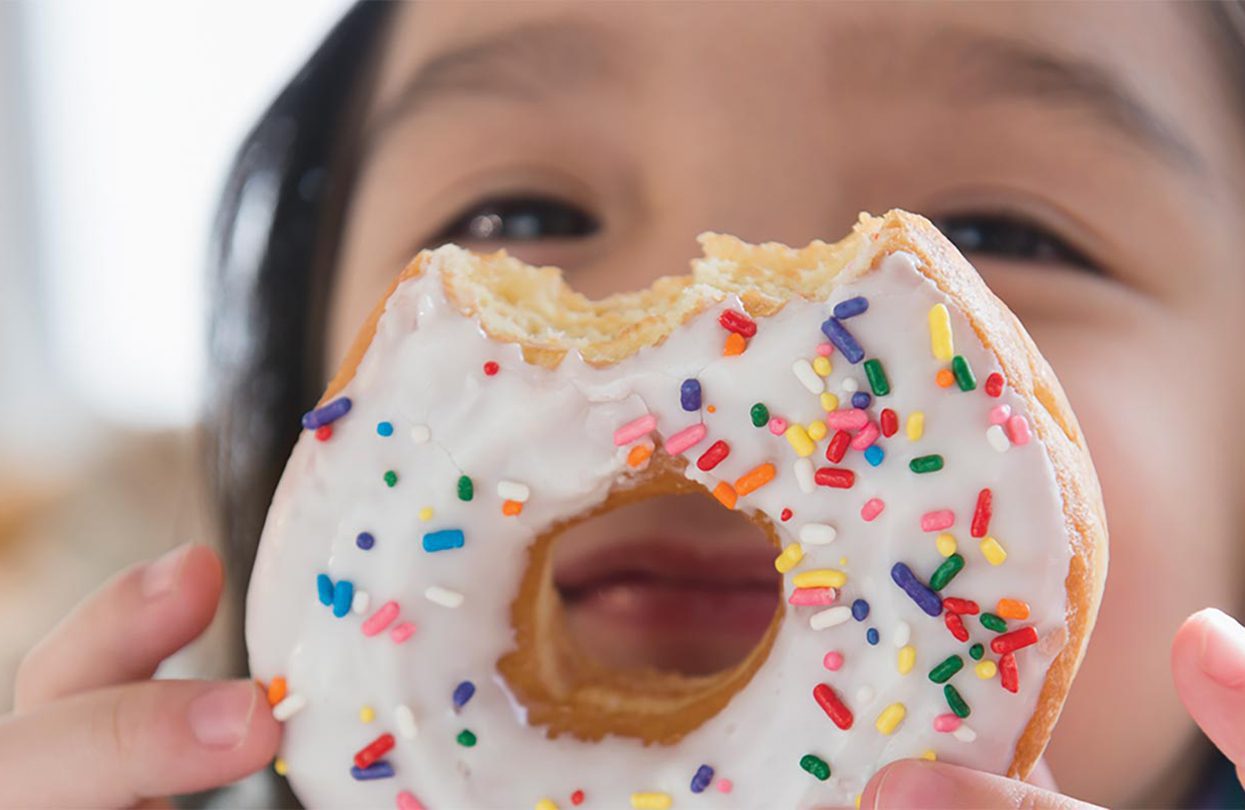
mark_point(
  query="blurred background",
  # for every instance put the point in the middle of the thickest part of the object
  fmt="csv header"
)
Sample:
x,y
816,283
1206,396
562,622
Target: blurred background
x,y
117,123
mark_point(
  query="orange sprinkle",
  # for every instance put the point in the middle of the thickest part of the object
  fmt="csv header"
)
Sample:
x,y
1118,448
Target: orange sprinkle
x,y
944,378
1012,609
639,454
725,494
276,690
735,344
755,478
511,508
711,408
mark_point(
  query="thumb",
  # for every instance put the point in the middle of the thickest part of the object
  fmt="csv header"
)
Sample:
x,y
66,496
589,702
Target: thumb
x,y
919,783
1208,667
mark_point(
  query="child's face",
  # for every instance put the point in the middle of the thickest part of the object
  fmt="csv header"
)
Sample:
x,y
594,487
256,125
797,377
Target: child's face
x,y
1046,132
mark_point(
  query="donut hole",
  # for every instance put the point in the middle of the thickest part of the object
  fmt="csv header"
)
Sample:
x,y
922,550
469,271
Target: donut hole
x,y
644,617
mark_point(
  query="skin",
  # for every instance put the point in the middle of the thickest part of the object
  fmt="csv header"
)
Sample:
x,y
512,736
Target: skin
x,y
781,122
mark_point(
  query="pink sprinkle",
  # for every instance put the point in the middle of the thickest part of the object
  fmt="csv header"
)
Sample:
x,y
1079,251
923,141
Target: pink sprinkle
x,y
946,723
1018,430
635,429
777,425
872,508
833,661
685,438
407,801
812,596
937,520
867,436
380,619
847,419
725,786
824,349
402,632
999,414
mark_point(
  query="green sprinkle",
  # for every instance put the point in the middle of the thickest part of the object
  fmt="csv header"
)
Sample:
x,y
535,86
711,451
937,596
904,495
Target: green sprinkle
x,y
466,738
926,464
391,478
946,572
877,377
948,667
760,415
466,490
976,651
992,622
963,374
956,702
816,766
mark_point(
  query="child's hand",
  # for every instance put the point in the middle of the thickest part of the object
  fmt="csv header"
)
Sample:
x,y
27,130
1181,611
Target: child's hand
x,y
1208,667
90,729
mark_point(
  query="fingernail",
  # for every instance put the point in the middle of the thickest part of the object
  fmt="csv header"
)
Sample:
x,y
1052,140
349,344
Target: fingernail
x,y
914,783
1223,649
221,717
160,576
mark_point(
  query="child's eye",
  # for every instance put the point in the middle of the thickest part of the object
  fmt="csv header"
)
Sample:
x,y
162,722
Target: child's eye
x,y
1010,237
519,219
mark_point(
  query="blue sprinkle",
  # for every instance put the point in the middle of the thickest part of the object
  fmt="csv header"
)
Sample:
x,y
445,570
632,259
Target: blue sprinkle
x,y
925,599
324,586
860,610
874,455
443,540
704,775
463,693
689,394
871,635
365,541
343,595
861,400
851,307
380,769
326,414
843,340
384,428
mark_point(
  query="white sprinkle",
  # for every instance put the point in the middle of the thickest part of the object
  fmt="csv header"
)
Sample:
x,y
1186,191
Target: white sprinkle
x,y
998,438
361,602
420,434
817,534
808,378
443,596
964,734
901,634
405,720
829,617
513,491
804,475
287,708
850,385
864,695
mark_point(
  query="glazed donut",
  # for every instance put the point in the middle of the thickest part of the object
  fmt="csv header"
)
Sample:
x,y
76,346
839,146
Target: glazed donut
x,y
869,404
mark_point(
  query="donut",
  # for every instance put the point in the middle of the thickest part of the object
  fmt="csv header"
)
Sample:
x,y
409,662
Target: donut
x,y
869,404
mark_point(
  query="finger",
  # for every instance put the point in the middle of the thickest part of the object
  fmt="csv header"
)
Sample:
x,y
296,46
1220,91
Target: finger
x,y
1208,667
919,783
117,746
124,630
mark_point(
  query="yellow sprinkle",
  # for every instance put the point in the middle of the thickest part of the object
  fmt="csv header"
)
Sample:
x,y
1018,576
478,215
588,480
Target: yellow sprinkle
x,y
945,544
907,659
916,425
842,561
822,366
820,578
929,754
993,552
829,402
546,804
817,431
367,714
279,766
789,558
890,718
985,669
651,801
800,442
940,341
425,514
858,795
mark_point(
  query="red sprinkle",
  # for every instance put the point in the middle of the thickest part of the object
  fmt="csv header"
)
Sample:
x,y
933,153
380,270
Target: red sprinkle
x,y
837,478
981,515
953,604
890,422
834,708
491,368
956,625
737,322
714,455
324,433
994,384
785,515
1015,640
577,798
1009,675
837,447
373,751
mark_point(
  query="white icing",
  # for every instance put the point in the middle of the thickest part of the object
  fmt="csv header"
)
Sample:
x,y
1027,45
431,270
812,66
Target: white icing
x,y
553,431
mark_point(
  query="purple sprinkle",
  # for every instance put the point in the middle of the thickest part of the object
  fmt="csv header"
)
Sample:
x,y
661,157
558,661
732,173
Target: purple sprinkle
x,y
463,693
925,599
860,610
843,340
851,307
861,400
689,394
326,414
381,769
365,541
872,636
704,775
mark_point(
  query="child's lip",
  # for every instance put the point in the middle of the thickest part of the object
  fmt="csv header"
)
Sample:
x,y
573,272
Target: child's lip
x,y
671,560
